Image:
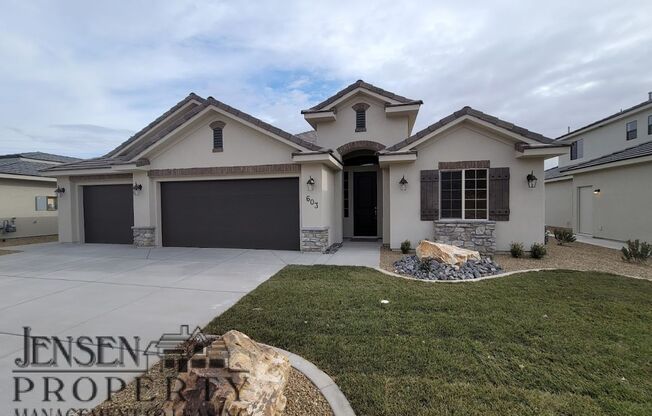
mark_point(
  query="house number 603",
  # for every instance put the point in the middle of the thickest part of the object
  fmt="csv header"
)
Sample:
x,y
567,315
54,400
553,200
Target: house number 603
x,y
312,202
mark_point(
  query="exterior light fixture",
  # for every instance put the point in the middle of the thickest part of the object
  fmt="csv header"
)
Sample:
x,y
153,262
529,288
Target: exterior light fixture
x,y
59,191
311,184
596,191
531,180
137,188
403,183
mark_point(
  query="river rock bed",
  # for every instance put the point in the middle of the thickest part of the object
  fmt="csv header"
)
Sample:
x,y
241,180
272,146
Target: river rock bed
x,y
432,270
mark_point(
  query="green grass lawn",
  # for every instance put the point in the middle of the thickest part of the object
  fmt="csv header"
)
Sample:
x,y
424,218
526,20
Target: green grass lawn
x,y
545,343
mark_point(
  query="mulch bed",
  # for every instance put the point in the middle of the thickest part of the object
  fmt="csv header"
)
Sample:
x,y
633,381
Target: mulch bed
x,y
572,256
20,241
303,397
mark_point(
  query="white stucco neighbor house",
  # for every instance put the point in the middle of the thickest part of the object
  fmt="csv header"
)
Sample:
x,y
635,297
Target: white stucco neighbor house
x,y
205,174
28,204
603,187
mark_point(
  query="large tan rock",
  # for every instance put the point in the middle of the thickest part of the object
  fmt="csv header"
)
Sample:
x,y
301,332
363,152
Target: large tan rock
x,y
233,376
444,253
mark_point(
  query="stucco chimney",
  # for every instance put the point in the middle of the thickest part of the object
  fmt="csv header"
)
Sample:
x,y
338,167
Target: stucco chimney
x,y
649,96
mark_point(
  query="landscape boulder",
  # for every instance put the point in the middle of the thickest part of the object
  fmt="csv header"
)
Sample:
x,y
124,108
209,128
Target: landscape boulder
x,y
234,375
444,253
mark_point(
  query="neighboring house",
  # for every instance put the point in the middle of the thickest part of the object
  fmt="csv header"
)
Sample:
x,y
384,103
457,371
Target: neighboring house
x,y
603,188
205,174
28,206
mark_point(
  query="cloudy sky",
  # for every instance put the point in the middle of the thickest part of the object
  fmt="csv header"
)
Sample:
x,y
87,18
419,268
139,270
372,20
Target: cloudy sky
x,y
79,77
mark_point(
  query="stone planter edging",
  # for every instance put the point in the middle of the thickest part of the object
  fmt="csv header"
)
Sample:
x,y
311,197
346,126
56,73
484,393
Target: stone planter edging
x,y
333,395
496,275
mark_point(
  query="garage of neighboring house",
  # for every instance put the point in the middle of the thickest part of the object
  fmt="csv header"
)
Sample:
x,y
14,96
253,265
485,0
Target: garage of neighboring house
x,y
108,214
242,213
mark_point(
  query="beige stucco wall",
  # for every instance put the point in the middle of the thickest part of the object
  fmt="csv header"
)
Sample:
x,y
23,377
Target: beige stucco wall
x,y
621,210
526,222
193,146
380,128
18,200
559,203
610,138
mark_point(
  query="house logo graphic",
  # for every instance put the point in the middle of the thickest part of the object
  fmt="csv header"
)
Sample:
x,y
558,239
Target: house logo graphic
x,y
175,349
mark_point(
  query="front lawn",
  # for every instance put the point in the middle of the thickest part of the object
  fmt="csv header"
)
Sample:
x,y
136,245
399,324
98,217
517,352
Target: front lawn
x,y
541,343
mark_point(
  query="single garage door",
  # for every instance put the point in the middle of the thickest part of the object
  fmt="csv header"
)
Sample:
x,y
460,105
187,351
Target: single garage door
x,y
108,214
251,213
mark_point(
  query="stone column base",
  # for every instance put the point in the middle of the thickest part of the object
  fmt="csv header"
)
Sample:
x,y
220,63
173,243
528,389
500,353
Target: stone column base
x,y
314,239
473,235
144,236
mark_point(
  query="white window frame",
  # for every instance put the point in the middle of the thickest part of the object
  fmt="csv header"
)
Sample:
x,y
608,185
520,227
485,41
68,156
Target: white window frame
x,y
41,203
463,218
635,129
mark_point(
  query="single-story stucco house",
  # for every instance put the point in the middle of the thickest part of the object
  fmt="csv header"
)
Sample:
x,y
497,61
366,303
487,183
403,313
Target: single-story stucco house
x,y
28,204
205,174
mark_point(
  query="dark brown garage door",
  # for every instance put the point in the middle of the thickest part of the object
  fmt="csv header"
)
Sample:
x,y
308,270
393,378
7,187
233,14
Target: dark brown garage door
x,y
108,214
252,213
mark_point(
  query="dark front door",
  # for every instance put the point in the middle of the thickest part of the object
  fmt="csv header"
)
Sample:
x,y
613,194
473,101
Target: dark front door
x,y
364,204
108,214
251,213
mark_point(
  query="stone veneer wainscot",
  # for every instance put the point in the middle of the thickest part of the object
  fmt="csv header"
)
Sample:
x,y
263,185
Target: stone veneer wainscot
x,y
314,239
472,235
144,236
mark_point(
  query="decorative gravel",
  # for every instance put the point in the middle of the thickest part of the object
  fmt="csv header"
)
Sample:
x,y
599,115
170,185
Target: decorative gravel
x,y
433,270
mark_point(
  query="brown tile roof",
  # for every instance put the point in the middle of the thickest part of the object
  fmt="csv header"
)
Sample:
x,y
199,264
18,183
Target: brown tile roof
x,y
46,157
642,150
361,84
620,113
468,111
310,136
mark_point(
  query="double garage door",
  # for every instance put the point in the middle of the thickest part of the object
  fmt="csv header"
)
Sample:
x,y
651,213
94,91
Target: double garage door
x,y
252,213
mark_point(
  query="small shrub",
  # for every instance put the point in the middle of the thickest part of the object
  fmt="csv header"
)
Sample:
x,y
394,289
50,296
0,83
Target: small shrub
x,y
564,236
516,249
537,251
637,251
406,246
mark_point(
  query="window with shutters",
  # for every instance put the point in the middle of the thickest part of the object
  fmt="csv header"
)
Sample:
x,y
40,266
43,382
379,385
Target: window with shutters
x,y
361,116
463,194
631,130
218,136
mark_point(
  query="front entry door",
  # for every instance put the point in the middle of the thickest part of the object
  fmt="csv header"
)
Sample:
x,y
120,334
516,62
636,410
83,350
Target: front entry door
x,y
585,211
364,204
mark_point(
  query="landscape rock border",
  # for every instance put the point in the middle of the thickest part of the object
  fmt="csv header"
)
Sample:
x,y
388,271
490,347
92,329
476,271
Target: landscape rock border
x,y
336,399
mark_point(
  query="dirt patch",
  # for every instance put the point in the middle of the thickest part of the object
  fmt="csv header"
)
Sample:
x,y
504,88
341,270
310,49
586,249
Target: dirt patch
x,y
303,397
574,256
3,252
578,256
21,241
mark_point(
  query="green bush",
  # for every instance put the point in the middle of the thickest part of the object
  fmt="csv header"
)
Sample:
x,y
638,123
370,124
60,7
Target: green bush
x,y
406,246
564,236
636,251
516,249
537,251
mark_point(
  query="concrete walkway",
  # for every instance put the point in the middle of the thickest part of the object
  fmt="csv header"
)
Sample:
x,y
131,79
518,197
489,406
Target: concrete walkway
x,y
601,242
116,290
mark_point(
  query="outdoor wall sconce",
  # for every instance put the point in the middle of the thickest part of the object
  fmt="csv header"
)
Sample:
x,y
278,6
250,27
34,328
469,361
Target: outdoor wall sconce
x,y
311,184
137,188
403,183
596,191
59,191
531,180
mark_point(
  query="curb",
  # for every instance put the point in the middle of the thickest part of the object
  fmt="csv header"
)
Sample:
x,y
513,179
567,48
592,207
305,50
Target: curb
x,y
333,395
497,275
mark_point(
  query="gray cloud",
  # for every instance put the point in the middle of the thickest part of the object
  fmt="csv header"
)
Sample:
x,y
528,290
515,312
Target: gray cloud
x,y
79,77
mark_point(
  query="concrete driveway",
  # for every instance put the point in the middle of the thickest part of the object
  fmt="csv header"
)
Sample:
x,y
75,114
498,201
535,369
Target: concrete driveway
x,y
115,290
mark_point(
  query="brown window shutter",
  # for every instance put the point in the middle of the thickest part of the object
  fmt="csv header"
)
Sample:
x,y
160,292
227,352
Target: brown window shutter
x,y
429,195
499,194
